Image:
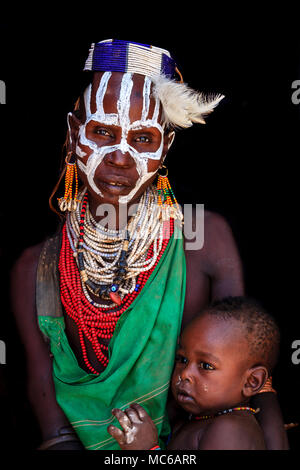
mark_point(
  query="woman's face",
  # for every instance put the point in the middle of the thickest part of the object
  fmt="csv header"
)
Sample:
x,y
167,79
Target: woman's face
x,y
120,141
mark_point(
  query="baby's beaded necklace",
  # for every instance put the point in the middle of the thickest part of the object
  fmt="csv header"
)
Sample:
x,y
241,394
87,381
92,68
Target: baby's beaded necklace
x,y
223,412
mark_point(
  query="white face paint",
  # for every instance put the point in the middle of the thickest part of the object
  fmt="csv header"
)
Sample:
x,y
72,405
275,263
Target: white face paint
x,y
178,381
121,119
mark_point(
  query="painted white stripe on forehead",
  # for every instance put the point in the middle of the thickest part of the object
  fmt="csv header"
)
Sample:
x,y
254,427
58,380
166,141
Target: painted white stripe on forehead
x,y
123,104
101,90
101,93
87,101
146,98
156,111
99,114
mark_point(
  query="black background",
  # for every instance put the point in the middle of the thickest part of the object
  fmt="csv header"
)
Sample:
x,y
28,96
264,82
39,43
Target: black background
x,y
241,164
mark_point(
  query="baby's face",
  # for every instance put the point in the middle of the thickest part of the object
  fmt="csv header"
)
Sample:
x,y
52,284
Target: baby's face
x,y
210,365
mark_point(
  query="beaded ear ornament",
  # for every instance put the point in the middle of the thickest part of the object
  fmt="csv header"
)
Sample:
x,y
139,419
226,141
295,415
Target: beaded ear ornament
x,y
166,198
68,201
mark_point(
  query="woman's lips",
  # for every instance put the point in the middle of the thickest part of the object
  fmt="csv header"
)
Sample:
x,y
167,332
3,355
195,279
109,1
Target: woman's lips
x,y
114,187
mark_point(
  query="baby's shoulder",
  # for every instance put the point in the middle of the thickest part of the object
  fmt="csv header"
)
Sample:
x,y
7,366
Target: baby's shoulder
x,y
234,431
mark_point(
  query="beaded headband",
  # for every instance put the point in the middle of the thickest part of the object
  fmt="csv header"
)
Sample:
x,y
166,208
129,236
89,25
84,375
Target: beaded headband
x,y
113,55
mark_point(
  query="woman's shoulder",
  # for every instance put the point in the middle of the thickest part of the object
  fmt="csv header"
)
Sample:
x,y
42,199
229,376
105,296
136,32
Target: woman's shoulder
x,y
23,295
26,263
205,230
214,221
23,275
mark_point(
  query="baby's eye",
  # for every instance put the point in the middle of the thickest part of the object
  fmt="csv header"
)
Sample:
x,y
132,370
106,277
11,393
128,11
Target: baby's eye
x,y
206,366
181,359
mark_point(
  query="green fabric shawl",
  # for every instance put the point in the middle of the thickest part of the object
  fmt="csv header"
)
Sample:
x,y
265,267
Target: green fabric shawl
x,y
141,354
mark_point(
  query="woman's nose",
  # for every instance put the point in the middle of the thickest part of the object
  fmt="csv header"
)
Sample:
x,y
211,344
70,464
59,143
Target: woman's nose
x,y
119,159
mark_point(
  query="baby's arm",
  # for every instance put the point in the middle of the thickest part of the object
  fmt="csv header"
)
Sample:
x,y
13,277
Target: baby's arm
x,y
232,433
138,433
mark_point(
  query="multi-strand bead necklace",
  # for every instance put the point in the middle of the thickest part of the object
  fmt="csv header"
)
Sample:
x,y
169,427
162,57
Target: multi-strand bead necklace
x,y
224,412
112,264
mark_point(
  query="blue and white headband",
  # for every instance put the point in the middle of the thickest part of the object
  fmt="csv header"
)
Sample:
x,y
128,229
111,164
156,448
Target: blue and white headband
x,y
182,106
115,55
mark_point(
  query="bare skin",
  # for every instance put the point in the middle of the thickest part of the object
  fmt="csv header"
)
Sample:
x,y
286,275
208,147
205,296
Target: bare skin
x,y
213,272
209,376
241,430
237,431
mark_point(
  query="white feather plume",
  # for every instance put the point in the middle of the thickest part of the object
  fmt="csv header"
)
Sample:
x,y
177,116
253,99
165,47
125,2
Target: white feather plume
x,y
183,106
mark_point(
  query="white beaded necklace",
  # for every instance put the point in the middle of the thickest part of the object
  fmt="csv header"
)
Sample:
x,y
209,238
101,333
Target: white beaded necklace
x,y
102,246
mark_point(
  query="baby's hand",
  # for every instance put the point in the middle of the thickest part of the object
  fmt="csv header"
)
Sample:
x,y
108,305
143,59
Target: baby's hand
x,y
139,432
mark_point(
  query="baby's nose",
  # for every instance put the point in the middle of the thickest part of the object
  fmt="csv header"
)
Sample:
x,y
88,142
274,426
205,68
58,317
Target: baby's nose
x,y
188,373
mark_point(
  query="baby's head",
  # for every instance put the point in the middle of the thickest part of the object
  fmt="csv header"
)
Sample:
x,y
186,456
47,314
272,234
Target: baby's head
x,y
225,356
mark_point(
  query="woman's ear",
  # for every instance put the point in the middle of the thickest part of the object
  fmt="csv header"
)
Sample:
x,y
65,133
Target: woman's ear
x,y
255,380
73,128
168,141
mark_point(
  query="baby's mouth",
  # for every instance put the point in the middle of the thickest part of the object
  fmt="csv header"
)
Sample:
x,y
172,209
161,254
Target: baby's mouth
x,y
183,396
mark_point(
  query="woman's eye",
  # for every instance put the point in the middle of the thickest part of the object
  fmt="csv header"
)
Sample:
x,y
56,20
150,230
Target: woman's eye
x,y
181,359
100,131
206,366
143,139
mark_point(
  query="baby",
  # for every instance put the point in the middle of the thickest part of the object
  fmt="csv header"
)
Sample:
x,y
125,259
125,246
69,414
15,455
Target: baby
x,y
225,356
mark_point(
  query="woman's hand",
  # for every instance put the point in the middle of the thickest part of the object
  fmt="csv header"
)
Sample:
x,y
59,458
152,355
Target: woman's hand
x,y
138,433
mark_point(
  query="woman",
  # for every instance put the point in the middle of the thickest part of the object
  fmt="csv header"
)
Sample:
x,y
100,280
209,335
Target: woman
x,y
105,298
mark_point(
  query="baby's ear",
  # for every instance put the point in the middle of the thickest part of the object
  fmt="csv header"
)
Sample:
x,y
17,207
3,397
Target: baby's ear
x,y
255,380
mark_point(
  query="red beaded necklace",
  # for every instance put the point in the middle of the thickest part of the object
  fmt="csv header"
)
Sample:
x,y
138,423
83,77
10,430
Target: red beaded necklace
x,y
94,323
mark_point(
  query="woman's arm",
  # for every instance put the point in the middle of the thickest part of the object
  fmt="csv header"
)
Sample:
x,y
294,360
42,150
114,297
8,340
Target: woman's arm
x,y
40,386
271,420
